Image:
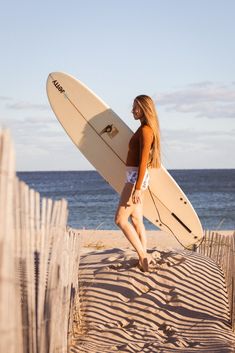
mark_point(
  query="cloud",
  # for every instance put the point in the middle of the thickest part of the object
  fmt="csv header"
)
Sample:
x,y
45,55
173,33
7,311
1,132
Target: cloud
x,y
189,134
34,131
188,148
28,122
196,139
203,99
39,120
27,106
5,98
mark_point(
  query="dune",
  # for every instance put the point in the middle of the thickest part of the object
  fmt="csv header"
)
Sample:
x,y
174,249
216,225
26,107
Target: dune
x,y
180,305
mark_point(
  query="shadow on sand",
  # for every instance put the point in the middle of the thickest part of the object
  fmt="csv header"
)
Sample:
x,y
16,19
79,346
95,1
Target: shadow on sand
x,y
179,306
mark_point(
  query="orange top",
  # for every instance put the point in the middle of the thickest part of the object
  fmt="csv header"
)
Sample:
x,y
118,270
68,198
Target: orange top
x,y
139,149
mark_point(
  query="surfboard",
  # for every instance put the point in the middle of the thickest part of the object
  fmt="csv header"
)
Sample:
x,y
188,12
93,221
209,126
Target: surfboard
x,y
103,138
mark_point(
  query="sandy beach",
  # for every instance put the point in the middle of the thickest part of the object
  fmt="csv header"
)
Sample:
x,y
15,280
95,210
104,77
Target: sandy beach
x,y
106,239
93,239
180,305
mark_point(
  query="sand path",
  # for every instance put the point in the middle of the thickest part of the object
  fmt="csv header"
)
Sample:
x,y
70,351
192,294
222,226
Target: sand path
x,y
179,306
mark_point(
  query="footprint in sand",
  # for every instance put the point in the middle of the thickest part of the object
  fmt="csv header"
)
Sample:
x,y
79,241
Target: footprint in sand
x,y
191,343
176,259
172,297
124,265
169,258
174,338
113,258
115,261
167,329
156,255
129,324
157,260
116,267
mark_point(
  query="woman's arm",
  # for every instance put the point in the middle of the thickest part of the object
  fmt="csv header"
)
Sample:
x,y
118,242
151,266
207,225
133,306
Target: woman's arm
x,y
146,139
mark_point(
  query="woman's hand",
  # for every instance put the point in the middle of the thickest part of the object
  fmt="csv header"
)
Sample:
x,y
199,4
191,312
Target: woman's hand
x,y
136,196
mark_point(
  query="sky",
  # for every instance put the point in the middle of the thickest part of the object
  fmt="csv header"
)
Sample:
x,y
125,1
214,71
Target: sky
x,y
180,52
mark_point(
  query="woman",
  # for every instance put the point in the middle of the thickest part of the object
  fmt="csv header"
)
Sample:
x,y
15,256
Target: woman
x,y
143,153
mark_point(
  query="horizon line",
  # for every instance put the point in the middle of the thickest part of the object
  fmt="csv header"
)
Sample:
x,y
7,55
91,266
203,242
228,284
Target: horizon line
x,y
94,170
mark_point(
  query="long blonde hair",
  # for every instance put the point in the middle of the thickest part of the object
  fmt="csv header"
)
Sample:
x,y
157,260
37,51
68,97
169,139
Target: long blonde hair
x,y
151,119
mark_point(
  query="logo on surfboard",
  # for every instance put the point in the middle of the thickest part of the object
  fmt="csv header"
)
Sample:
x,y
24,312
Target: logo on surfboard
x,y
110,130
58,86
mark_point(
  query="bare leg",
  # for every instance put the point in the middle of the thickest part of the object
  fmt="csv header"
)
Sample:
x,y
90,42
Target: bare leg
x,y
137,221
124,211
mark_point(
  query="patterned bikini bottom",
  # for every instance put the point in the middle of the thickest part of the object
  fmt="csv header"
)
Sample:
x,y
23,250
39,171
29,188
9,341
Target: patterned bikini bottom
x,y
132,175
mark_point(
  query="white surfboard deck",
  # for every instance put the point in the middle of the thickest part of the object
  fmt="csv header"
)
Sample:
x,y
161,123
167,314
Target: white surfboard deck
x,y
103,139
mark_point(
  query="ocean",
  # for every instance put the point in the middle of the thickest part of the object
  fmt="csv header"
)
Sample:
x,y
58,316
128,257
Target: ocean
x,y
92,202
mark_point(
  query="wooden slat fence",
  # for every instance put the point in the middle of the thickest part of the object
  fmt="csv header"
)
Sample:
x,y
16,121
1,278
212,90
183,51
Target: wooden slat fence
x,y
221,248
39,262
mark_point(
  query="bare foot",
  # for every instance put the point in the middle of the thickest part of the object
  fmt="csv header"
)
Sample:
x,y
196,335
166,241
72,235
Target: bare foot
x,y
144,264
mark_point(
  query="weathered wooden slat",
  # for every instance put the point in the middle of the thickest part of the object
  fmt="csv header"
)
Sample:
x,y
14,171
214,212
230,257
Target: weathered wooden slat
x,y
39,264
8,286
221,248
233,283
